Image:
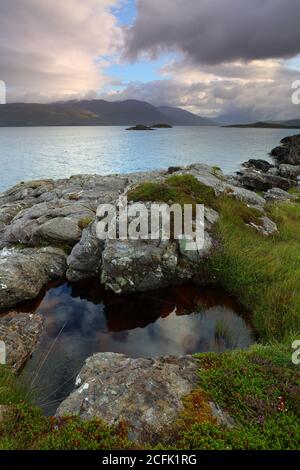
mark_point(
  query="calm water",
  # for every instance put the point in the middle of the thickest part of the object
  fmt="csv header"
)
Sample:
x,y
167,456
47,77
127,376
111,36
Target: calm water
x,y
57,152
83,319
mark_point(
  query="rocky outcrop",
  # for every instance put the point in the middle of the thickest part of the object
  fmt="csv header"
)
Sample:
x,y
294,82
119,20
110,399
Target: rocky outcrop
x,y
260,165
61,214
145,393
288,152
20,333
23,273
260,175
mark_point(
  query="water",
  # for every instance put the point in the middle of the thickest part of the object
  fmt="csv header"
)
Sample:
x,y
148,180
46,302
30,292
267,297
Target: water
x,y
58,152
83,319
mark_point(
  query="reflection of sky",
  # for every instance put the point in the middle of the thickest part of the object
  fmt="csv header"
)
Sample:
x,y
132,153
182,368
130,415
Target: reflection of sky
x,y
76,328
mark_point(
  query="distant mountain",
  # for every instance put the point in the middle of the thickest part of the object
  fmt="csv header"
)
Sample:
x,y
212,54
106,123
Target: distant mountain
x,y
95,113
119,113
184,118
23,115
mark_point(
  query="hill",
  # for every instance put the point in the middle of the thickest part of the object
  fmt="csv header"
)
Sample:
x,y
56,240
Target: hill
x,y
182,117
95,113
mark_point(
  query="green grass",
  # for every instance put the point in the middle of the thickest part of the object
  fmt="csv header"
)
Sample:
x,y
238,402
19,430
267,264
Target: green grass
x,y
25,428
182,189
260,388
263,273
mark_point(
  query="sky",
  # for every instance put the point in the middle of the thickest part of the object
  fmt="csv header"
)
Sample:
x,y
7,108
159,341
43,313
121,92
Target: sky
x,y
234,58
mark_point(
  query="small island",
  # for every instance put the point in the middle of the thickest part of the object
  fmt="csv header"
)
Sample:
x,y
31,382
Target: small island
x,y
143,127
140,127
162,126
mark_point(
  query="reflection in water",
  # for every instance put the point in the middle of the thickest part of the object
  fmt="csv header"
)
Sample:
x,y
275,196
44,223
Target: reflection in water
x,y
83,319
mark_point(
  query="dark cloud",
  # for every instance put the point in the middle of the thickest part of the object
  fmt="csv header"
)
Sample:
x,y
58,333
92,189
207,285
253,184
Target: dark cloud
x,y
217,31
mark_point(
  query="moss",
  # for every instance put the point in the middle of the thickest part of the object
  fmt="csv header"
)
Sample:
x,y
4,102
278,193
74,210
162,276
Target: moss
x,y
24,427
85,222
182,189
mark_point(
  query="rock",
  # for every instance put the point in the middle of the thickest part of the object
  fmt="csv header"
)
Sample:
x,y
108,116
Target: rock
x,y
138,265
260,165
256,181
23,273
289,171
85,260
20,332
277,194
145,393
246,196
53,212
265,227
289,152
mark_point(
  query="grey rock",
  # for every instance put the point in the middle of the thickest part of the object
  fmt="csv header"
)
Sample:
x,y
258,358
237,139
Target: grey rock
x,y
85,260
23,273
20,332
256,181
145,393
260,165
266,226
277,194
289,171
289,152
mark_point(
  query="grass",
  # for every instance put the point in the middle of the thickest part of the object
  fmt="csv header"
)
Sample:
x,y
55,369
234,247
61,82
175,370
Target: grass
x,y
85,222
262,273
182,189
260,388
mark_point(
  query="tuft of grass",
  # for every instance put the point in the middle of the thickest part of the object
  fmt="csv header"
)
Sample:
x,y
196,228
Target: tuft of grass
x,y
182,189
85,222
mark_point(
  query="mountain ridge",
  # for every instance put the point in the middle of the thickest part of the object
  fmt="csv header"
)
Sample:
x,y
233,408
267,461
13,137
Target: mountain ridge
x,y
95,113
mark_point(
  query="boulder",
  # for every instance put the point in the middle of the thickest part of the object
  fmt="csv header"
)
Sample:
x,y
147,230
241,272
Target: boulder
x,y
20,333
85,260
265,226
23,273
260,165
289,171
277,194
289,152
255,181
145,393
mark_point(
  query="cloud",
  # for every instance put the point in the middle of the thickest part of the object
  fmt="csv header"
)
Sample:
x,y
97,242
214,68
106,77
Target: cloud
x,y
260,91
216,31
53,50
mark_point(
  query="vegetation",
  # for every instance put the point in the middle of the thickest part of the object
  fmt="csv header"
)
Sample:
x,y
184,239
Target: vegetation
x,y
259,388
262,273
85,222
